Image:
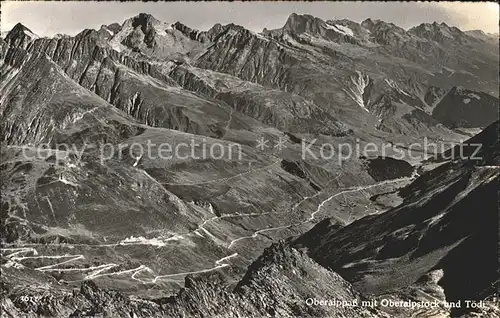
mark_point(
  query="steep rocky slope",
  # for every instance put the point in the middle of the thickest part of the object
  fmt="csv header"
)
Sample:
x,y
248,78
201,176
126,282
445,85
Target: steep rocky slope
x,y
296,59
96,216
139,88
277,283
424,246
19,36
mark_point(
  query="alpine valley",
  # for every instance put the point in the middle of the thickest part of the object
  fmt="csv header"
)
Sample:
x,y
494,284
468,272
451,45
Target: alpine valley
x,y
268,232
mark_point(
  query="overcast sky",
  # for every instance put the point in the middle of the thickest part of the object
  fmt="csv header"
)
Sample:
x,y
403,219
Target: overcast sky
x,y
50,18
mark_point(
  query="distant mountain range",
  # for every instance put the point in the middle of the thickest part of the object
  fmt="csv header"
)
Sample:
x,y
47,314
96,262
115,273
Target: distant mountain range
x,y
258,234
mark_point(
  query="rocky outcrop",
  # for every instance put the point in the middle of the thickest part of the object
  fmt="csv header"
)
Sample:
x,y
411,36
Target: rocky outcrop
x,y
146,35
20,36
299,24
278,283
385,33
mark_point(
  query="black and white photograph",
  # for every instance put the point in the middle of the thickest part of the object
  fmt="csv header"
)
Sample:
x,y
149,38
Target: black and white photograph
x,y
249,159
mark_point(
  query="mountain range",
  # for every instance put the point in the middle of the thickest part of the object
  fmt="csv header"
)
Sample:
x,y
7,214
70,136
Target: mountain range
x,y
130,234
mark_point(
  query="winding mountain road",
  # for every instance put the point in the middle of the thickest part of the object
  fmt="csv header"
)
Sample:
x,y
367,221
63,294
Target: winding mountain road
x,y
14,257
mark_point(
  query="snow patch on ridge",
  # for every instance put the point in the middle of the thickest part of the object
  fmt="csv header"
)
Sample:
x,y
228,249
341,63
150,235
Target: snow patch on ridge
x,y
340,29
469,97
